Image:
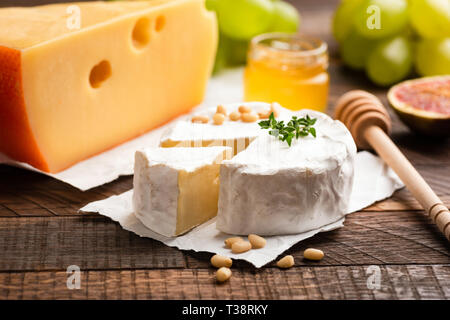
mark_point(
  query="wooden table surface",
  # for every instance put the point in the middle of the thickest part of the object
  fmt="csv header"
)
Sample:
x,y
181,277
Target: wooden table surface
x,y
41,234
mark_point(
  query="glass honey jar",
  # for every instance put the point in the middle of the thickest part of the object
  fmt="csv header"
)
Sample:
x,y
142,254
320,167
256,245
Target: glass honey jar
x,y
289,69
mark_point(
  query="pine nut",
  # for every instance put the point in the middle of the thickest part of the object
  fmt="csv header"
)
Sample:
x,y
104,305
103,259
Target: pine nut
x,y
240,246
218,118
313,254
223,274
264,114
219,261
221,109
286,262
200,119
256,241
235,116
275,110
229,242
244,109
249,117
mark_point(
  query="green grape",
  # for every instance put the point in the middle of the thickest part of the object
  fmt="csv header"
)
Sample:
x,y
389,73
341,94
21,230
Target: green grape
x,y
433,57
355,50
390,62
221,55
381,18
211,4
243,19
430,18
230,52
237,52
285,18
343,19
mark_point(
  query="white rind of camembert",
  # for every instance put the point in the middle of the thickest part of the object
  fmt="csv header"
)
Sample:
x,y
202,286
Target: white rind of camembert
x,y
273,189
176,189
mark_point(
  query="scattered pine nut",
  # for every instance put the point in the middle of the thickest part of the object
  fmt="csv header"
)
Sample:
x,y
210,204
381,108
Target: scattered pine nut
x,y
256,241
219,261
200,119
286,262
313,254
229,242
218,118
235,116
240,246
221,109
249,117
244,109
223,274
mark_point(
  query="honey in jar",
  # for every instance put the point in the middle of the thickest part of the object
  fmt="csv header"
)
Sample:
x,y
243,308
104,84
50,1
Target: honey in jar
x,y
288,69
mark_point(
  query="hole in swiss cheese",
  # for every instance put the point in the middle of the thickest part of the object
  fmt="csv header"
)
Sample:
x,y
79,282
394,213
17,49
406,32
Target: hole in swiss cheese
x,y
141,33
100,73
160,23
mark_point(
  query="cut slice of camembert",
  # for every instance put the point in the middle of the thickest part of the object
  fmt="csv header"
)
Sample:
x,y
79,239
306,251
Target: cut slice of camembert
x,y
176,189
272,189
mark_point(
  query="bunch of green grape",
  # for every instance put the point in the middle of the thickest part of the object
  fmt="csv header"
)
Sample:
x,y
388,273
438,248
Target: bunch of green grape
x,y
241,20
390,39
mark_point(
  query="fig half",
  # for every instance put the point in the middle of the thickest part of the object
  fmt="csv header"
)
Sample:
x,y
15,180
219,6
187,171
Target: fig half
x,y
423,104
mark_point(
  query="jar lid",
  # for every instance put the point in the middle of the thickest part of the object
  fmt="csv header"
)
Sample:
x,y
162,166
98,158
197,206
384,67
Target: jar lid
x,y
288,51
290,44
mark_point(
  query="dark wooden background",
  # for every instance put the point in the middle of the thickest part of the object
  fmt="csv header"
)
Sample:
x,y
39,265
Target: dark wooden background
x,y
41,233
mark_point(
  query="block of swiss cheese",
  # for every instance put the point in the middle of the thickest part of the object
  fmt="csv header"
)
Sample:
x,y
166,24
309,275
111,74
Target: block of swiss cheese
x,y
67,94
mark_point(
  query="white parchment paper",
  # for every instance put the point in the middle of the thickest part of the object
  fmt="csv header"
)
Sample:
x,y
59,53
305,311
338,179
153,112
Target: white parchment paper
x,y
374,181
108,166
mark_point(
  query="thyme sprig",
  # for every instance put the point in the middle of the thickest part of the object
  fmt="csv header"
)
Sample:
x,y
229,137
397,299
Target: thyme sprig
x,y
295,128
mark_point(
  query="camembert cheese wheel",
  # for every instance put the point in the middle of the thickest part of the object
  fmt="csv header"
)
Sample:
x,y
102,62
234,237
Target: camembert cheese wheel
x,y
271,188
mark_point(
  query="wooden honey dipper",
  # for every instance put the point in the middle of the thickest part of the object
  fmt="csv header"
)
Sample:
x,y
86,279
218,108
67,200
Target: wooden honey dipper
x,y
370,124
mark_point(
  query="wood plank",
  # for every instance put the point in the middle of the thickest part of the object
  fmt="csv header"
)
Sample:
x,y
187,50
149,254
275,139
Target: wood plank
x,y
94,242
333,282
6,212
91,242
44,196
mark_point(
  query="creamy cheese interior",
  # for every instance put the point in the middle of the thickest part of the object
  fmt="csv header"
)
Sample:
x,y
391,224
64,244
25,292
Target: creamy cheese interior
x,y
198,195
176,189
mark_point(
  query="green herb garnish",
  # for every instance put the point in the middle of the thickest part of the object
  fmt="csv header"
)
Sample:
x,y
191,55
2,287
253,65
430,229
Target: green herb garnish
x,y
295,128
